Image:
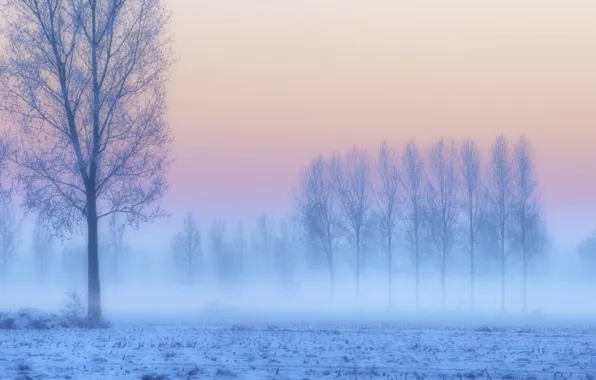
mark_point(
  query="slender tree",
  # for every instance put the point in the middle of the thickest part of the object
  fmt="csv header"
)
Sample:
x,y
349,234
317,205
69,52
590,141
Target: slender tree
x,y
501,194
222,253
586,252
240,246
526,212
319,210
264,237
387,197
85,84
413,181
43,248
74,261
353,187
116,246
442,202
187,247
283,253
474,201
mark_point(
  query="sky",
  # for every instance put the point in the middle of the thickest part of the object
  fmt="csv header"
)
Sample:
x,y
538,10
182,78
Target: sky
x,y
261,86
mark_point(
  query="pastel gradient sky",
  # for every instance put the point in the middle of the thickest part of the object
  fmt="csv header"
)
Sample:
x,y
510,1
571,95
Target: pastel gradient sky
x,y
261,86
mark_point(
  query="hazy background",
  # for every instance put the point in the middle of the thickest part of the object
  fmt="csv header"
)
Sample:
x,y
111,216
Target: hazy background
x,y
261,87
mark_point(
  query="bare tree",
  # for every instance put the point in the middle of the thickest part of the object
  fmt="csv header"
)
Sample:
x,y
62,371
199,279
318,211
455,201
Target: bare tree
x,y
474,201
501,193
413,181
223,256
442,202
187,247
387,196
84,82
353,187
116,245
43,247
264,239
9,228
240,246
586,252
318,208
74,261
284,246
527,234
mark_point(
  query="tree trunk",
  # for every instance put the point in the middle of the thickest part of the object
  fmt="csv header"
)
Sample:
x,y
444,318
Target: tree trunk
x,y
94,300
94,292
502,270
331,271
524,255
190,268
4,274
116,270
417,276
471,274
525,283
471,227
389,269
357,266
443,272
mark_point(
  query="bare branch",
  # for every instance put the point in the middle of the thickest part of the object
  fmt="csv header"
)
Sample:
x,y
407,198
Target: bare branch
x,y
47,76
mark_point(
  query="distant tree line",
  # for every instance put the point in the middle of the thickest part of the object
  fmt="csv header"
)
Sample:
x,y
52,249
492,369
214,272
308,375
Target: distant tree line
x,y
419,204
445,197
422,204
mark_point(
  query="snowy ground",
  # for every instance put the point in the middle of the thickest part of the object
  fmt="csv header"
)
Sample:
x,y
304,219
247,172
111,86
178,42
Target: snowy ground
x,y
203,348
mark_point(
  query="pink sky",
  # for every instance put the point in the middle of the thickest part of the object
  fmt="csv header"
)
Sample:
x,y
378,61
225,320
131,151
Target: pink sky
x,y
262,86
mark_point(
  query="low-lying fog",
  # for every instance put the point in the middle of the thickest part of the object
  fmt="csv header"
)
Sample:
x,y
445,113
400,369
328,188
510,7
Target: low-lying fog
x,y
153,287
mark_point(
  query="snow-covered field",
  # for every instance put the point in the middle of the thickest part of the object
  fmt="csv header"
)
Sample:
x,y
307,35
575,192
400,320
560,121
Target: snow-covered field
x,y
295,348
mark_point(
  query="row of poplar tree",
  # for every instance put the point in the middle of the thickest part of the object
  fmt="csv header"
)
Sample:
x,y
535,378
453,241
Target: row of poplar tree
x,y
417,203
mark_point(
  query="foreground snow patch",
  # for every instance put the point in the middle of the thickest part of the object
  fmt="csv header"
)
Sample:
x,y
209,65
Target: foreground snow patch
x,y
300,351
32,319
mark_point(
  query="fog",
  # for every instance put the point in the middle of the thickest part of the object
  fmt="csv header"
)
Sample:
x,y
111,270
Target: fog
x,y
152,285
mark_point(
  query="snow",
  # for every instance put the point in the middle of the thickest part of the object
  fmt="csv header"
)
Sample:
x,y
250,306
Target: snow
x,y
307,347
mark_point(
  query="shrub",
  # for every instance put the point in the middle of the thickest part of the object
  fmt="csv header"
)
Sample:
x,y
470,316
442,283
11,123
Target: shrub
x,y
74,310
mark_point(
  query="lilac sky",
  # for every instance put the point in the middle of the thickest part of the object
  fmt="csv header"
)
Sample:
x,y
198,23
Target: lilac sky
x,y
262,86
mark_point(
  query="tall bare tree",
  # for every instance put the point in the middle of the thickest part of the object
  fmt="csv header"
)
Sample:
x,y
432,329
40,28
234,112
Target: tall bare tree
x,y
353,188
84,82
474,201
319,209
526,212
9,229
413,182
187,247
501,194
442,202
387,196
43,247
